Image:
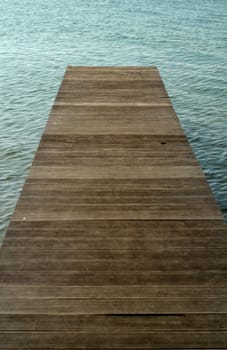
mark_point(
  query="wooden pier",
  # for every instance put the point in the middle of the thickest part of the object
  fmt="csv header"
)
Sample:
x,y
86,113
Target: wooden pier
x,y
116,241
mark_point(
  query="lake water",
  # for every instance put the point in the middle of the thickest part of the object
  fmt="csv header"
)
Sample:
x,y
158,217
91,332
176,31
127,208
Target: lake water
x,y
187,40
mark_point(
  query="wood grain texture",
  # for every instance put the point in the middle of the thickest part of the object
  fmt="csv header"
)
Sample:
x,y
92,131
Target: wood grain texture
x,y
116,241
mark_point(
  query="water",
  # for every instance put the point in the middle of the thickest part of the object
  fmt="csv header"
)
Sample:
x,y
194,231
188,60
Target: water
x,y
187,40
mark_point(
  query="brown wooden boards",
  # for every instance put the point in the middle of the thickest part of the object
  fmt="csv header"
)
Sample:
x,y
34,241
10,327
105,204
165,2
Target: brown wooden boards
x,y
116,241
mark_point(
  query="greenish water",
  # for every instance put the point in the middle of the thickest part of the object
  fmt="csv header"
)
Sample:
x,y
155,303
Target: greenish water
x,y
187,40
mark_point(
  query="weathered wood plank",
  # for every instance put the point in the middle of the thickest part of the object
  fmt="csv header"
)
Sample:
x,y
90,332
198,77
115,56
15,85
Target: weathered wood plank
x,y
71,159
116,241
113,306
142,340
149,229
112,260
115,145
84,278
77,243
63,322
12,292
120,171
115,212
135,235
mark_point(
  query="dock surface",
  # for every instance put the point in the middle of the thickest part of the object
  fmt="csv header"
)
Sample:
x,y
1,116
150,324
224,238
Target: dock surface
x,y
116,241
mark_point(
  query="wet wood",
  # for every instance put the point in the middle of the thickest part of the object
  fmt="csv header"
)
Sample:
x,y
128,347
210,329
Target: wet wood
x,y
116,241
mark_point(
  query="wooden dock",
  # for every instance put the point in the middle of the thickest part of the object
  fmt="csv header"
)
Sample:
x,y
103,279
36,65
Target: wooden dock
x,y
116,241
